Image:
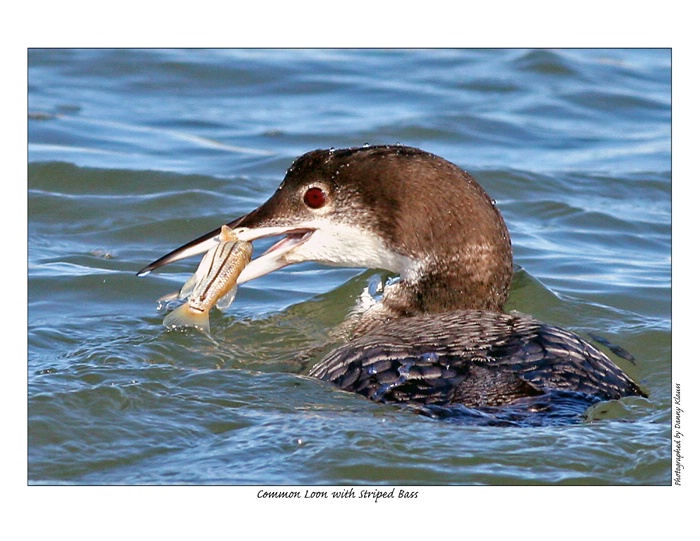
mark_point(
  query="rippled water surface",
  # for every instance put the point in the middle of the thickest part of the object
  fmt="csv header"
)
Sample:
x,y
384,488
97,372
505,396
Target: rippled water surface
x,y
134,152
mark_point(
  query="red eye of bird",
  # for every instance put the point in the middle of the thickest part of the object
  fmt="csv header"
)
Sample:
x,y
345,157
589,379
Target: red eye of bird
x,y
315,198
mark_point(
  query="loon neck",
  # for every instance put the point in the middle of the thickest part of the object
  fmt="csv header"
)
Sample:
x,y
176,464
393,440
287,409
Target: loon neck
x,y
447,290
439,287
458,273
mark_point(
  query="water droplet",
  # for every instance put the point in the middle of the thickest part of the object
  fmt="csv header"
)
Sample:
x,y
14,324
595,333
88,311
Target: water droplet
x,y
375,287
404,371
379,393
393,280
430,357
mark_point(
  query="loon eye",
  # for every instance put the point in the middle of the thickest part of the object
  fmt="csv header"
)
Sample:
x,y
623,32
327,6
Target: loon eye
x,y
315,198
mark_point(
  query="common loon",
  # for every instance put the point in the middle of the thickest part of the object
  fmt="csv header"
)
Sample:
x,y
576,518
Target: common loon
x,y
439,336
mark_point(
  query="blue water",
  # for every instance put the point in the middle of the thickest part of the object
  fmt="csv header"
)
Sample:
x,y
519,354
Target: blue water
x,y
134,152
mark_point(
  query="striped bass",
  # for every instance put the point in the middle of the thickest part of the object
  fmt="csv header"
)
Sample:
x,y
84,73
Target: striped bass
x,y
213,284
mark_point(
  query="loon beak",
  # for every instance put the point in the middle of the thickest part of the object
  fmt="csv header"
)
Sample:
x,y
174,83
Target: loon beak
x,y
195,247
274,258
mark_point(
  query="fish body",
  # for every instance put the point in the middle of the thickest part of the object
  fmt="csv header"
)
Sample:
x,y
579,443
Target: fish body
x,y
213,284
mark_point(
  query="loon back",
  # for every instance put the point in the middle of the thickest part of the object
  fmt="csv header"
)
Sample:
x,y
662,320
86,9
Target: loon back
x,y
470,357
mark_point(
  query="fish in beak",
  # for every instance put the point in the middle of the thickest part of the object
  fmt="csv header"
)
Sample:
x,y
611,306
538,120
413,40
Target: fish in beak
x,y
274,258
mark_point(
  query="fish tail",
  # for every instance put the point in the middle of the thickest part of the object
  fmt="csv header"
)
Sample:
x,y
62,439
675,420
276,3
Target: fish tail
x,y
184,316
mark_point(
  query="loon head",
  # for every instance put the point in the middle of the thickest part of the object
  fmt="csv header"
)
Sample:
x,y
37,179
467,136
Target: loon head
x,y
387,207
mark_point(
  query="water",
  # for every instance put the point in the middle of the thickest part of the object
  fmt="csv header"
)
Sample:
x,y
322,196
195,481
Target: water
x,y
134,152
